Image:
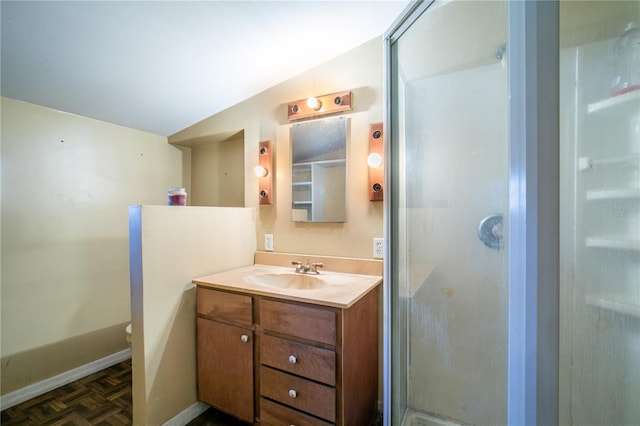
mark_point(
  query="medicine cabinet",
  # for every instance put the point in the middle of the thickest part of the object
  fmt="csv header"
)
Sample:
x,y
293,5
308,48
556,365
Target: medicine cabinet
x,y
319,161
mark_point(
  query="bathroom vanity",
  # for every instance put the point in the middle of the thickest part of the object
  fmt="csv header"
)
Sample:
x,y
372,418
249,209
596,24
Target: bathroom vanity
x,y
275,350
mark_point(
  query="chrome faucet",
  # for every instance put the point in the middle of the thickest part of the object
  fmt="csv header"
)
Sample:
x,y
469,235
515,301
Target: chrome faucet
x,y
311,268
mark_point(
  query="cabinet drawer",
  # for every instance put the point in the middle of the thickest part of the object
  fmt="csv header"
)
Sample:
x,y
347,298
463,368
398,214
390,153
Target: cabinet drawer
x,y
307,322
227,307
303,360
313,398
273,414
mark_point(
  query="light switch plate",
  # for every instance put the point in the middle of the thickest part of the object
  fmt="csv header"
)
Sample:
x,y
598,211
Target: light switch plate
x,y
378,248
268,242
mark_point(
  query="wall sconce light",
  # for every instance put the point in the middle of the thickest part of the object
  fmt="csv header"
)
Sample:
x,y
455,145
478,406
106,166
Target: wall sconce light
x,y
375,161
264,172
320,105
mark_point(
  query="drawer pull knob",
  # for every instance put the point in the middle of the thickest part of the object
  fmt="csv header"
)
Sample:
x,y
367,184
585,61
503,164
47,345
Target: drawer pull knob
x,y
292,359
293,393
244,338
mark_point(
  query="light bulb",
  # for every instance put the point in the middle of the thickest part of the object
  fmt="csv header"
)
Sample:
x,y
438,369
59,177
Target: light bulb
x,y
314,103
260,171
374,160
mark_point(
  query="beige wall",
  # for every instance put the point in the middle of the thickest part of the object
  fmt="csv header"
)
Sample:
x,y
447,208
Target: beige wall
x,y
217,177
264,117
66,184
169,247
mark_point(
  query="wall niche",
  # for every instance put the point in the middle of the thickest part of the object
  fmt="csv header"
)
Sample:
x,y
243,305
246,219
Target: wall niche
x,y
216,170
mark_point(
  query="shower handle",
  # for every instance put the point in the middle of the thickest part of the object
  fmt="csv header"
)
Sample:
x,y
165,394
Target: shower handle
x,y
490,231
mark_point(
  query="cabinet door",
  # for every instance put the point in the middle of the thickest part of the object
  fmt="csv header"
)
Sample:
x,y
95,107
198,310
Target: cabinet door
x,y
225,368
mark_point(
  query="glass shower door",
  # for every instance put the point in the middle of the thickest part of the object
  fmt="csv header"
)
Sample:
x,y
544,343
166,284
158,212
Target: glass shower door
x,y
449,204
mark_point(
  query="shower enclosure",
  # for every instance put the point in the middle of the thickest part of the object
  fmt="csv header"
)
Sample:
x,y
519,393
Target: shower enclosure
x,y
452,326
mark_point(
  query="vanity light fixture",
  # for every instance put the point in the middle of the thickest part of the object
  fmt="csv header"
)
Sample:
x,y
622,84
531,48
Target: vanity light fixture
x,y
320,105
263,172
375,162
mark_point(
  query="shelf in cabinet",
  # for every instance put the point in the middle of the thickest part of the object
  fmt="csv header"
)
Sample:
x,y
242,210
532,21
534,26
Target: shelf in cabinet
x,y
615,303
613,243
302,203
319,163
301,183
625,101
585,163
613,194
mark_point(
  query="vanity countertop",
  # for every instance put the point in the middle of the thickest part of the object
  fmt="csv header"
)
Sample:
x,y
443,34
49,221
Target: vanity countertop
x,y
341,290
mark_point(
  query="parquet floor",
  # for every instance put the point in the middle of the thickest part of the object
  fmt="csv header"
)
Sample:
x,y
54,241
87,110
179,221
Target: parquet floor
x,y
103,399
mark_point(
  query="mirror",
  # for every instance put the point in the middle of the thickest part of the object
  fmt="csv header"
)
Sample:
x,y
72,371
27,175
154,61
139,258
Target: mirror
x,y
319,157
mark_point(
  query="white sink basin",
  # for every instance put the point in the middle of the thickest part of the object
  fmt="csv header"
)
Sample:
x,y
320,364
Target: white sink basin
x,y
288,280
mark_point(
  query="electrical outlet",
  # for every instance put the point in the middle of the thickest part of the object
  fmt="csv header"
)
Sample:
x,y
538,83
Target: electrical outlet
x,y
378,248
268,242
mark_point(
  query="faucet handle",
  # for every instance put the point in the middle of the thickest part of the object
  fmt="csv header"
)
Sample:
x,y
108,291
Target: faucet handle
x,y
315,266
298,265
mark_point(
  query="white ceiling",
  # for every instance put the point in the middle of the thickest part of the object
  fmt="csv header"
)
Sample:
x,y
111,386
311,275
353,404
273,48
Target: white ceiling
x,y
161,66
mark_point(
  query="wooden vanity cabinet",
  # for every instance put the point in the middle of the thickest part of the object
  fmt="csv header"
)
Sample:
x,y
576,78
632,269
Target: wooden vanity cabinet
x,y
314,365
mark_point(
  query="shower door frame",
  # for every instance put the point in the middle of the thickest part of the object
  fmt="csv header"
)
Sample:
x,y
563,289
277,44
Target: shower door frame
x,y
533,180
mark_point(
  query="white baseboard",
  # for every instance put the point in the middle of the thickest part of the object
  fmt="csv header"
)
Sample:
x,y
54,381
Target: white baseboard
x,y
37,389
187,415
